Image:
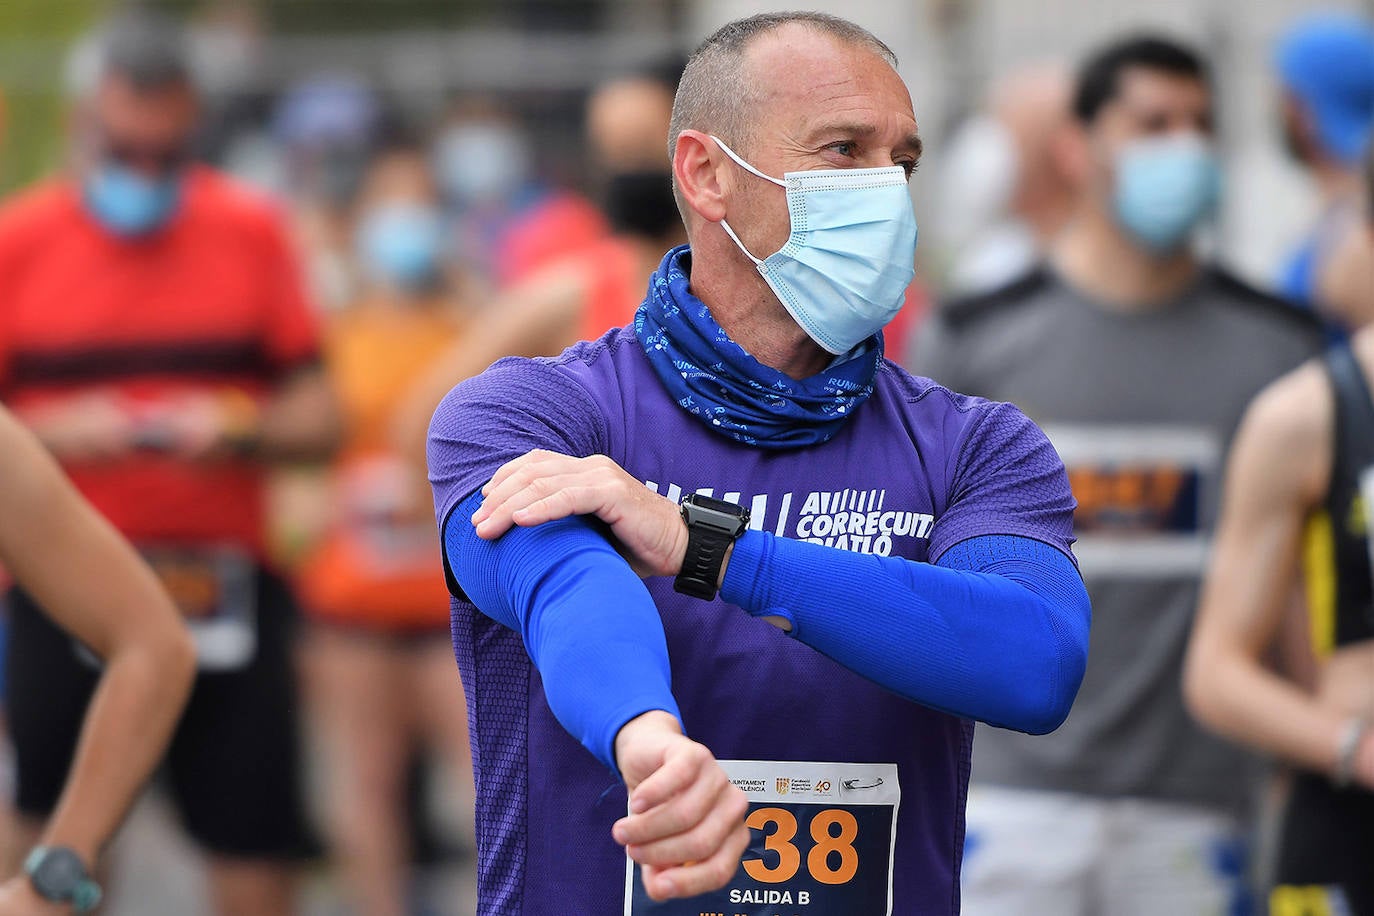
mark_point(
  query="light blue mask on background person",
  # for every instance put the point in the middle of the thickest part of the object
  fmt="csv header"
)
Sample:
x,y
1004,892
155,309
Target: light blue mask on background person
x,y
401,244
1164,188
842,274
128,203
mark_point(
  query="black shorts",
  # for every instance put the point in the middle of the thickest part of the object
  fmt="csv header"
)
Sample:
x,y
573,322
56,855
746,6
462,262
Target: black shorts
x,y
1327,842
234,763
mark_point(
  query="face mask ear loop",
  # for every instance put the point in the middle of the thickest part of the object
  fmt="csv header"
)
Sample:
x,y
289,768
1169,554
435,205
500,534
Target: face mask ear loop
x,y
744,165
734,238
753,171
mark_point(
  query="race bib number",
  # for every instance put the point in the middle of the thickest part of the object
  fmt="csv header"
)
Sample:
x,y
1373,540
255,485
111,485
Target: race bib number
x,y
215,588
822,838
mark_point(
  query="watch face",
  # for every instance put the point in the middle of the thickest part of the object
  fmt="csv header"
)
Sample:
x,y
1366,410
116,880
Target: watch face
x,y
717,513
57,874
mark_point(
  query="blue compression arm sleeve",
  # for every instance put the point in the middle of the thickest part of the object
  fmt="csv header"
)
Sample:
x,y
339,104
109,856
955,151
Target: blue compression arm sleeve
x,y
998,631
587,620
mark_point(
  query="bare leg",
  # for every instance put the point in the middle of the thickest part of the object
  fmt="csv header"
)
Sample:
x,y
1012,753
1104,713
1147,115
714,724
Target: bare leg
x,y
363,719
251,887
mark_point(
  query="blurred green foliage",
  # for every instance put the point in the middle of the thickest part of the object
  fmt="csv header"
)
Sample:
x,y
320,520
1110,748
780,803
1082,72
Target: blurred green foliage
x,y
34,104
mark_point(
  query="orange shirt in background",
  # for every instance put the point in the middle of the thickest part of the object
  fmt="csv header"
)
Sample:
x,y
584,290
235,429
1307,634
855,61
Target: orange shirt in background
x,y
378,567
212,303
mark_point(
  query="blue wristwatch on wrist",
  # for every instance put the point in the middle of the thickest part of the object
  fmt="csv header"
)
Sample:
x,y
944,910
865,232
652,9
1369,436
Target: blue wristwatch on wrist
x,y
58,874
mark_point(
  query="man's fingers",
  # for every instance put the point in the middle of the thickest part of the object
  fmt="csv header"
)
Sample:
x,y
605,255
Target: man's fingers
x,y
551,497
681,813
679,770
569,500
699,877
722,817
512,477
515,465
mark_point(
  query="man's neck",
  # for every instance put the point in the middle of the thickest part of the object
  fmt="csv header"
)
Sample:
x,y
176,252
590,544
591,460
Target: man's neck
x,y
748,311
1095,256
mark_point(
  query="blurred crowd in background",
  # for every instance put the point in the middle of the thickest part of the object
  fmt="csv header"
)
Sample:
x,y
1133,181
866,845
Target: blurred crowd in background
x,y
470,180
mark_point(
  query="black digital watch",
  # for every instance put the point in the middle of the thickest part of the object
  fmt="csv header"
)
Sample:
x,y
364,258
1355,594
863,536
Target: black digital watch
x,y
712,526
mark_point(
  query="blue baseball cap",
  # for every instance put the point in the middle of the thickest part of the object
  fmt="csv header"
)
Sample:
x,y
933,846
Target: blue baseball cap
x,y
1327,62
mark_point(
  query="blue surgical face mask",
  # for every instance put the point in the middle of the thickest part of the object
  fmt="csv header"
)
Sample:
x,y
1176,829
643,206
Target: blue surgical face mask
x,y
1164,188
843,272
128,203
401,244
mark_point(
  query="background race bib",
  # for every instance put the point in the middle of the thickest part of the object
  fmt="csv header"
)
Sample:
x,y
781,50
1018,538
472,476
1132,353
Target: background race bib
x,y
822,837
215,588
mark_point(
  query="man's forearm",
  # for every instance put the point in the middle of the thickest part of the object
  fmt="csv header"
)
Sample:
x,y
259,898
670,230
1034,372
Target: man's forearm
x,y
1235,695
302,422
130,718
587,621
1006,646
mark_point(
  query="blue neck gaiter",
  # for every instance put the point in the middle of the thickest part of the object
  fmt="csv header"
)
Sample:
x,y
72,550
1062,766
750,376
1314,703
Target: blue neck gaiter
x,y
715,380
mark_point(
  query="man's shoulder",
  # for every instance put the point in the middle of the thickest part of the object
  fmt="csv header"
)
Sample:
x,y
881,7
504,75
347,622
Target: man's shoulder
x,y
29,214
964,313
924,395
1228,291
227,200
580,379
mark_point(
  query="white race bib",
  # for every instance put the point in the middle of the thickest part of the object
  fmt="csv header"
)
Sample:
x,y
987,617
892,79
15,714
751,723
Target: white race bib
x,y
822,840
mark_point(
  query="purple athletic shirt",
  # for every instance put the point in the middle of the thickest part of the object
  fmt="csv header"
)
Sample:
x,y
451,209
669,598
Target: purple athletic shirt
x,y
915,471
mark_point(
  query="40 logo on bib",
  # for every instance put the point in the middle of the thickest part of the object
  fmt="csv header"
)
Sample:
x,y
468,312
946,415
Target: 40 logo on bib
x,y
822,837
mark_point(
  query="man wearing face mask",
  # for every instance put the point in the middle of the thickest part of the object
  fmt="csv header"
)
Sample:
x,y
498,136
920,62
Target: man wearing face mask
x,y
842,566
1139,359
157,341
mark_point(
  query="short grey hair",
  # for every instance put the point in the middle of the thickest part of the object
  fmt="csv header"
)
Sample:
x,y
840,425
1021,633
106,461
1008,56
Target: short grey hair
x,y
715,93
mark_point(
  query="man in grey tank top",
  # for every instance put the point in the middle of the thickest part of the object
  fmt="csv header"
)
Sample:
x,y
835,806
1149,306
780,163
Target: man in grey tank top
x,y
1138,359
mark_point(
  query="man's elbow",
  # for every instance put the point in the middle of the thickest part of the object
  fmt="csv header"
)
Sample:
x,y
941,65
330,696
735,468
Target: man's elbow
x,y
1046,707
1043,703
1202,694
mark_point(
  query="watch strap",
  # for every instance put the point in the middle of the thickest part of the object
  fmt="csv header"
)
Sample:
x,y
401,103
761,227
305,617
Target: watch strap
x,y
706,547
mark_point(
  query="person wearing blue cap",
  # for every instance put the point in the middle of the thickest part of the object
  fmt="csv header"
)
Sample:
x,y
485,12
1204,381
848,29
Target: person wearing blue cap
x,y
1325,64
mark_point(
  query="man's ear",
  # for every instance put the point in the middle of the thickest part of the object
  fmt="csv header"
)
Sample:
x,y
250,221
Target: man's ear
x,y
1071,149
695,173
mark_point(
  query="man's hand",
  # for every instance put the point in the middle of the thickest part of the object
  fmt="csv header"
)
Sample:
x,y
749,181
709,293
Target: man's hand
x,y
90,427
686,822
200,426
18,898
542,486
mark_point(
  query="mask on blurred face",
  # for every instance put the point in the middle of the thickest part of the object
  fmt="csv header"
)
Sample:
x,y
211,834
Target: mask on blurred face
x,y
1164,188
400,245
481,163
641,203
129,203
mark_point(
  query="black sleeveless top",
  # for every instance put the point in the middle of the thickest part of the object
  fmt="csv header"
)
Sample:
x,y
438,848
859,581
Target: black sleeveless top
x,y
1338,567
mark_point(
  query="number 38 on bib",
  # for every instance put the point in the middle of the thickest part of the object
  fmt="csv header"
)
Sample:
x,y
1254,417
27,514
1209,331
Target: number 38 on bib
x,y
822,838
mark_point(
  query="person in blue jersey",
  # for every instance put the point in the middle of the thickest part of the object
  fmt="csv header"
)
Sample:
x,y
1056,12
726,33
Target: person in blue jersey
x,y
730,588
